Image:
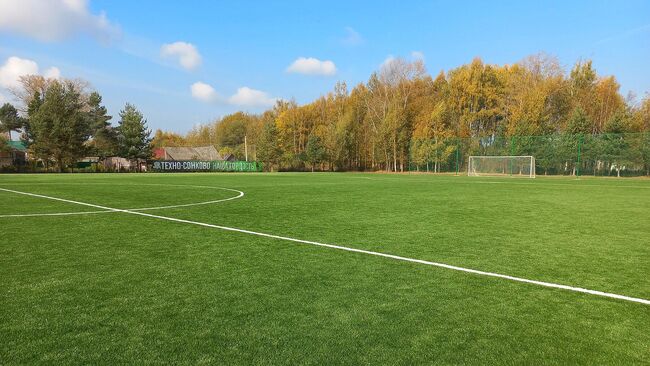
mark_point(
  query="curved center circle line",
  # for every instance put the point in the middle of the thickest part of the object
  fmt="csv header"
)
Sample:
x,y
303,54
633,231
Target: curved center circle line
x,y
240,195
128,184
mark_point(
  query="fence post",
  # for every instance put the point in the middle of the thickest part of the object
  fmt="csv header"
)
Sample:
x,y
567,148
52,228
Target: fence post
x,y
512,151
457,157
580,137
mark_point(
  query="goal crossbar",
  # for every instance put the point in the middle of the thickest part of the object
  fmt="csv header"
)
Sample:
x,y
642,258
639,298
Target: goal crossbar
x,y
515,166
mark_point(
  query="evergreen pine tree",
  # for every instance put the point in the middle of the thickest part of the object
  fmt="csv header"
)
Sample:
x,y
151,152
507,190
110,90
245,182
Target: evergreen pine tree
x,y
579,123
9,119
58,127
134,138
104,137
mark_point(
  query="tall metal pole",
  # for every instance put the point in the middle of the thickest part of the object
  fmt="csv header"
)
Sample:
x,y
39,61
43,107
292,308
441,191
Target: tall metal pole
x,y
457,157
246,147
512,153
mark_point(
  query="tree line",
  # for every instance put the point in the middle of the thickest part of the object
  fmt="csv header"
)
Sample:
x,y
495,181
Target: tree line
x,y
61,122
402,115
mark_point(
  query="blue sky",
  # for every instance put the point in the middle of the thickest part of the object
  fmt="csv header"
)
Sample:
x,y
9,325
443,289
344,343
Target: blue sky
x,y
240,52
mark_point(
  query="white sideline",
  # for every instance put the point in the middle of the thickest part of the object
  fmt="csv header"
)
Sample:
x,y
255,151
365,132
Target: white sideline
x,y
354,250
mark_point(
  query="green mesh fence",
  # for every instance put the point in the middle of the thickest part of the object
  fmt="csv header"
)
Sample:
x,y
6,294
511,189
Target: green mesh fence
x,y
597,155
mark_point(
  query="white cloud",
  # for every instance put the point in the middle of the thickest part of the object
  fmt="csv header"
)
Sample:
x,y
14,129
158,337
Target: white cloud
x,y
244,97
417,55
15,67
54,20
352,37
312,66
204,92
186,54
389,60
52,73
247,97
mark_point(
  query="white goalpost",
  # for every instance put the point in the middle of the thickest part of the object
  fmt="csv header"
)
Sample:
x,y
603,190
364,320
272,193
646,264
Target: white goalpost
x,y
514,166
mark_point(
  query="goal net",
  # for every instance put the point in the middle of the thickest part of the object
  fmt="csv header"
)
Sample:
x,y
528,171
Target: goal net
x,y
519,166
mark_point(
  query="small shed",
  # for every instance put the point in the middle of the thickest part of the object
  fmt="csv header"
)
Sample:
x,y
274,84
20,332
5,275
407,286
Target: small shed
x,y
16,154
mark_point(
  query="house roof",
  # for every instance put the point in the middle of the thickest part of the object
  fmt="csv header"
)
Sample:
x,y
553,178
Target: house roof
x,y
17,145
191,153
228,157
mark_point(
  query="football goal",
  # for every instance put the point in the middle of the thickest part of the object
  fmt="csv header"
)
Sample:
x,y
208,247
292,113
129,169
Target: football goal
x,y
515,166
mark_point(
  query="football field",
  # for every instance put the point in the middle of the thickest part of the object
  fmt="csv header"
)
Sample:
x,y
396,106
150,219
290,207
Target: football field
x,y
323,268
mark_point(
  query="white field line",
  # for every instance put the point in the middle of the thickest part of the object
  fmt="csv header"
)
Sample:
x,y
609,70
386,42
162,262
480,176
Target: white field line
x,y
444,180
354,250
56,214
241,194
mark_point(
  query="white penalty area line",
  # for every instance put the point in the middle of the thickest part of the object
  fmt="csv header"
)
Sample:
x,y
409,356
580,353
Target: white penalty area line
x,y
348,249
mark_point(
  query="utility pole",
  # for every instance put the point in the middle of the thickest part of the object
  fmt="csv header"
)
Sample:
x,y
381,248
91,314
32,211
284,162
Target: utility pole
x,y
245,147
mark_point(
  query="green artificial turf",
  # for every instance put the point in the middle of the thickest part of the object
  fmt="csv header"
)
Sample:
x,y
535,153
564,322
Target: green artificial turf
x,y
119,288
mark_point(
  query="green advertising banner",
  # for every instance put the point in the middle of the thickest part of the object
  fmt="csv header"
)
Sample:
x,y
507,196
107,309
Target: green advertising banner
x,y
206,166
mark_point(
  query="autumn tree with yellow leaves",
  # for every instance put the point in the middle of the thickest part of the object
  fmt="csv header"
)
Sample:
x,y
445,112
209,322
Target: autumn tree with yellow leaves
x,y
403,116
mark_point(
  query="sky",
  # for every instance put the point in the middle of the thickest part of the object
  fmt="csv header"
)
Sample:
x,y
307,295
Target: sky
x,y
185,63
